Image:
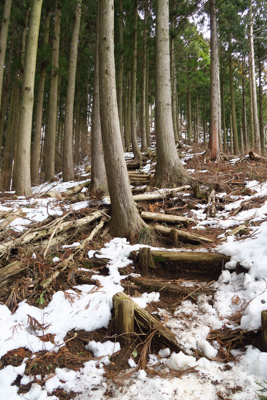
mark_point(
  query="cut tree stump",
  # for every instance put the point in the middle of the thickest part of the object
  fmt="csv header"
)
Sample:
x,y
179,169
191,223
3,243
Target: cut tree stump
x,y
124,317
148,323
176,264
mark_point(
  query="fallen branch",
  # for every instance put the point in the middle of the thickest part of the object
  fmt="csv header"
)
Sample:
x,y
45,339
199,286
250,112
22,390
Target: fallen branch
x,y
76,189
171,219
177,235
64,264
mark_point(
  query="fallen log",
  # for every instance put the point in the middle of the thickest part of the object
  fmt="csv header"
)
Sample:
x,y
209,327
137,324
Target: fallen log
x,y
256,157
171,219
148,323
76,189
7,273
176,264
183,236
148,285
159,194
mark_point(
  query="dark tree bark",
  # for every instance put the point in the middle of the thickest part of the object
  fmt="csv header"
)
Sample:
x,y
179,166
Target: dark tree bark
x,y
125,219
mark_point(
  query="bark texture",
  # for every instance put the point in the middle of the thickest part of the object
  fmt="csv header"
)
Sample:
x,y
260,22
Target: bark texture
x,y
3,41
125,220
23,168
169,170
68,168
98,170
53,108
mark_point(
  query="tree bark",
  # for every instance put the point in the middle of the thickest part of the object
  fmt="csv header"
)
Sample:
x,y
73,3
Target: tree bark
x,y
23,167
144,85
98,170
3,41
173,75
35,161
68,168
136,150
245,129
260,110
232,94
125,220
53,107
120,73
214,147
253,85
169,169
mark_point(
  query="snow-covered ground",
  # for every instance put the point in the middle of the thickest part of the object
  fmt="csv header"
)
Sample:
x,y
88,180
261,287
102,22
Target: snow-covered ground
x,y
191,323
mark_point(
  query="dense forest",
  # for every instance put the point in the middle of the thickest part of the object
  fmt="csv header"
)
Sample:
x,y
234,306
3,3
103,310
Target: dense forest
x,y
74,74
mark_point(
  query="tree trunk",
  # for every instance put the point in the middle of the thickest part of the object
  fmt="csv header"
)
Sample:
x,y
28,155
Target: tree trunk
x,y
125,220
245,130
98,170
147,103
144,85
129,134
68,168
120,73
223,114
3,41
189,116
260,110
173,75
214,85
35,161
6,88
169,169
253,85
234,124
23,167
136,150
53,107
252,136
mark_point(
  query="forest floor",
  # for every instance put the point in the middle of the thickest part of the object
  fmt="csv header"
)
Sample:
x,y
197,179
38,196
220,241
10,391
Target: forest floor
x,y
60,270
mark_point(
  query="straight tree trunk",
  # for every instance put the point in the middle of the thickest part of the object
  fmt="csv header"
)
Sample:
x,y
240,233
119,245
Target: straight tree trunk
x,y
98,170
223,113
147,103
245,129
214,85
68,168
129,130
173,75
169,169
260,110
144,85
120,73
5,92
125,219
189,115
234,123
35,160
23,166
252,136
53,106
254,87
3,41
136,150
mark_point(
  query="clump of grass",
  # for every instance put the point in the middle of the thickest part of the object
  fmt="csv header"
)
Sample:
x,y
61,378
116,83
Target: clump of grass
x,y
262,390
148,236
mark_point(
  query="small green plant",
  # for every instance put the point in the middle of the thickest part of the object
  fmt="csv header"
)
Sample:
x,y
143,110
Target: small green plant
x,y
262,390
134,353
41,299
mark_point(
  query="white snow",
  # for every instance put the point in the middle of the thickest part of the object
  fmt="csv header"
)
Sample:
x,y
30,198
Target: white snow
x,y
89,308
